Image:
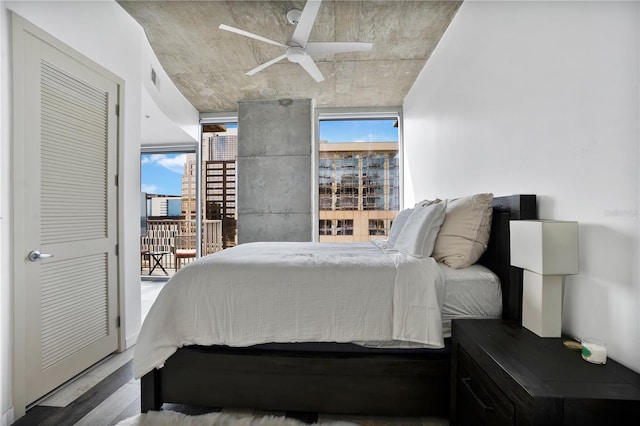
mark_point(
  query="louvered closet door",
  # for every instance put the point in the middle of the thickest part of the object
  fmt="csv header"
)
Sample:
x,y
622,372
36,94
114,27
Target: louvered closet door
x,y
71,297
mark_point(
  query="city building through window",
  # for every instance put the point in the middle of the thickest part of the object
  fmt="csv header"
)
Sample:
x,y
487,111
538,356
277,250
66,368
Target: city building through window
x,y
219,154
358,178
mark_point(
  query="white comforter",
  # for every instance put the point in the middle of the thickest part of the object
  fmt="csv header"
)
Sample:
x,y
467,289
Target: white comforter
x,y
295,292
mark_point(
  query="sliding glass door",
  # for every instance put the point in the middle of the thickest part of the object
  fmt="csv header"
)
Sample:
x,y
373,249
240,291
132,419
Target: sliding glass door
x,y
165,206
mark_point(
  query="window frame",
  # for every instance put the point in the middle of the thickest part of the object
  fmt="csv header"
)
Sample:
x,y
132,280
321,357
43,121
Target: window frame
x,y
207,118
371,113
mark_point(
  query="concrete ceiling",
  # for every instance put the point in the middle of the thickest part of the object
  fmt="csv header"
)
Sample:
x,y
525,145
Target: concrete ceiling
x,y
209,65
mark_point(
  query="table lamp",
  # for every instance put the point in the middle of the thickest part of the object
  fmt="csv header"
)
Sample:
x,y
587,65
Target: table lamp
x,y
547,250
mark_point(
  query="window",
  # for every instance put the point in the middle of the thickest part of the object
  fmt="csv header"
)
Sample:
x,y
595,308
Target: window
x,y
326,227
344,227
379,226
358,175
219,152
336,227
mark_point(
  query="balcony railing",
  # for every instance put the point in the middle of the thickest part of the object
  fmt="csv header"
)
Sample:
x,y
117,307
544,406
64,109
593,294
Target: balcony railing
x,y
162,237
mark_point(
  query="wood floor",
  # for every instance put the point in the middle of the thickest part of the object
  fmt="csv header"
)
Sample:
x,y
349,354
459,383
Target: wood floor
x,y
107,393
112,399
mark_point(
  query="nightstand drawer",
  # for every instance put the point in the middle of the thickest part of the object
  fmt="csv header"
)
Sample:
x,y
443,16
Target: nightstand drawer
x,y
480,401
505,374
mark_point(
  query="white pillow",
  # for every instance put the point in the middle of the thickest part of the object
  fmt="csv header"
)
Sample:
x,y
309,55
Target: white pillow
x,y
401,219
418,235
464,234
398,224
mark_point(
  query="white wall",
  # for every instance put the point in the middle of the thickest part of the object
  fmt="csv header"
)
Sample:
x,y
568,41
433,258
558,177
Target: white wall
x,y
543,98
104,32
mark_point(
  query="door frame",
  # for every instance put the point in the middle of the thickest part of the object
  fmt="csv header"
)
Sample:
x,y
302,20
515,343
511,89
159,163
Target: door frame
x,y
19,28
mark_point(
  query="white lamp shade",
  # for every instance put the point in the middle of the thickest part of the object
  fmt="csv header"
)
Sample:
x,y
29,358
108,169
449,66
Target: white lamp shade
x,y
546,247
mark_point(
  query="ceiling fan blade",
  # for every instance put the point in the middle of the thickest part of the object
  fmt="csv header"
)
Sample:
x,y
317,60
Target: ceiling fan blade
x,y
304,25
266,64
311,67
321,48
251,35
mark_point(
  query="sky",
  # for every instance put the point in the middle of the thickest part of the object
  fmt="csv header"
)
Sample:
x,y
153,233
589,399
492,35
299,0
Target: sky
x,y
162,173
358,131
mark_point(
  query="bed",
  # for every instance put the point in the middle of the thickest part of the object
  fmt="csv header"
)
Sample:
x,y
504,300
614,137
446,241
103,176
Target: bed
x,y
388,364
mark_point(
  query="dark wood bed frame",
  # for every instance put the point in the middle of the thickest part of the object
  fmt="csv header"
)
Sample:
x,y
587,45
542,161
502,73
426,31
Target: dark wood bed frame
x,y
374,382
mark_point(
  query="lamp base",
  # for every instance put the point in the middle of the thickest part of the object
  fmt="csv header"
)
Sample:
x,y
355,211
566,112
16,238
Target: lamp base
x,y
542,304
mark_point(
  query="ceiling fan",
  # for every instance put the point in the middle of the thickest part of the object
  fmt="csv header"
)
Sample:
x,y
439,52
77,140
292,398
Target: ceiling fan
x,y
298,49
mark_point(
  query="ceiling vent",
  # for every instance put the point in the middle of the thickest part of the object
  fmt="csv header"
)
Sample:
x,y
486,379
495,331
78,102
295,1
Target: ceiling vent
x,y
154,77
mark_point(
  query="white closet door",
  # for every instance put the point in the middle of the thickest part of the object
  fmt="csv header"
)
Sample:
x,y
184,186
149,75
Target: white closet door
x,y
70,211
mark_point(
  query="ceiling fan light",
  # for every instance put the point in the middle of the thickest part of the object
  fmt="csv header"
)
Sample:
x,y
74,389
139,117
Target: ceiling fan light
x,y
296,54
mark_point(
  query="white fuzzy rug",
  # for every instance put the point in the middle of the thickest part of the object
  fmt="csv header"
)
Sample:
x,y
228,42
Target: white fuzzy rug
x,y
171,418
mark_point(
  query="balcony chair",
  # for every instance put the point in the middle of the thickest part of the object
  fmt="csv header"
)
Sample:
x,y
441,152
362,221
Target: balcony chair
x,y
183,248
144,257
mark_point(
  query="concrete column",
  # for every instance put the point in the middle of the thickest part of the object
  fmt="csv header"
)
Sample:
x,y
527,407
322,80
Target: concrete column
x,y
274,170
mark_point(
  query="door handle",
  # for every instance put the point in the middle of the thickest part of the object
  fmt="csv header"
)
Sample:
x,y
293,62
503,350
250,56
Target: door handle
x,y
35,255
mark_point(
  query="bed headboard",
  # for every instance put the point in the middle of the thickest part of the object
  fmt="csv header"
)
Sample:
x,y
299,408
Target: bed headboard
x,y
498,254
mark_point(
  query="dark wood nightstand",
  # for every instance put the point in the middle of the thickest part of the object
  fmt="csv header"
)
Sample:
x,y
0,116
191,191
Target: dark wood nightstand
x,y
503,374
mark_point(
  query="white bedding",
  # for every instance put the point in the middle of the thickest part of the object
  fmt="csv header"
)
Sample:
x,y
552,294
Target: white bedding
x,y
295,292
472,292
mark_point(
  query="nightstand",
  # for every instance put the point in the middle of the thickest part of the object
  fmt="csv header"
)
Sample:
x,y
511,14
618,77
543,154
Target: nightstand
x,y
503,374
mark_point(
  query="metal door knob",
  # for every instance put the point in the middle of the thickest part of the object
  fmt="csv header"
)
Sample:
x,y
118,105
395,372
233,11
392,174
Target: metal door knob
x,y
35,255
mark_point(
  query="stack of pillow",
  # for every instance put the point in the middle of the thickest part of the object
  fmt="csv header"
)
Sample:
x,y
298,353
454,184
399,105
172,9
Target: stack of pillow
x,y
454,232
